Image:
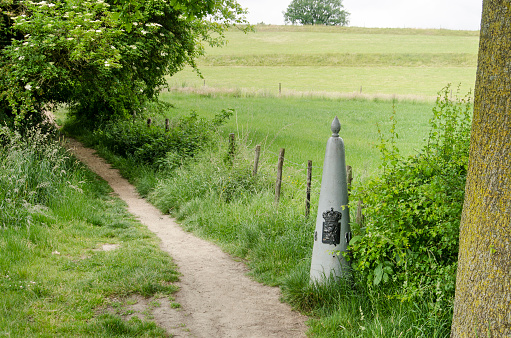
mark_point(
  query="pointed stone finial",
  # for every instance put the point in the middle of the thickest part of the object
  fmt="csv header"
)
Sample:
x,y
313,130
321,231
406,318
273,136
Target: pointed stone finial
x,y
336,127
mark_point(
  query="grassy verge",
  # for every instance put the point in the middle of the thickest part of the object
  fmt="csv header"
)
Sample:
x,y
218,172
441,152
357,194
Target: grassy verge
x,y
56,279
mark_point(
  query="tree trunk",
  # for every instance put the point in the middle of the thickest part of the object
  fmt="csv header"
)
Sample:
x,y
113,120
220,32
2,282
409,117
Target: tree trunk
x,y
482,306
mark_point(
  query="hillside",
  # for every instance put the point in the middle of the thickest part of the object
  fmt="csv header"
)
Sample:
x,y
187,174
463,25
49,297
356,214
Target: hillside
x,y
339,60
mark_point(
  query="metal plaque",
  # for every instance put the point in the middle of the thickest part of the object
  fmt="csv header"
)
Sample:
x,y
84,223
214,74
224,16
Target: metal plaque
x,y
332,227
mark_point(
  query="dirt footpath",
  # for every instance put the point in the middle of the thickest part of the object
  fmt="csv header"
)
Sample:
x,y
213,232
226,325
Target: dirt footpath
x,y
217,298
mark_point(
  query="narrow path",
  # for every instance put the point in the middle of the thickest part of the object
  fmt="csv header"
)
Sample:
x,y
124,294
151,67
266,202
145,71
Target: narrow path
x,y
217,298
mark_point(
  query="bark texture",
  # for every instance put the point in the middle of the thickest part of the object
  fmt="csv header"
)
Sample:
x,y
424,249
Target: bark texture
x,y
482,306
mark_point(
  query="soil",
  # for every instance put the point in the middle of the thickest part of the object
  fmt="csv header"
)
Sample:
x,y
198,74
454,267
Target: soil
x,y
216,297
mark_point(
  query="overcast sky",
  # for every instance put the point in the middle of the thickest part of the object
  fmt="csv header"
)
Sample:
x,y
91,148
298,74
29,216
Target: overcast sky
x,y
449,14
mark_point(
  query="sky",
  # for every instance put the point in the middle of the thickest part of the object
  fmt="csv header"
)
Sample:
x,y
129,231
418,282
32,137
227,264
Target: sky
x,y
447,14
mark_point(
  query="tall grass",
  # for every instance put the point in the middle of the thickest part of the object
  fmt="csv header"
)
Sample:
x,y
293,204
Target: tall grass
x,y
55,216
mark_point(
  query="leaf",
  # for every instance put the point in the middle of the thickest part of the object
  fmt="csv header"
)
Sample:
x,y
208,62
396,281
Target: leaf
x,y
378,274
355,239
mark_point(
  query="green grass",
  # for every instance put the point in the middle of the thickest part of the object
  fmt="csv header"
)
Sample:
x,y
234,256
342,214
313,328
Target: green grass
x,y
302,125
338,60
55,279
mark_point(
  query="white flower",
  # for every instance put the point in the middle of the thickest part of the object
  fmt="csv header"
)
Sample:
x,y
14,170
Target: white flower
x,y
28,86
98,30
113,47
133,46
144,32
70,39
135,23
21,57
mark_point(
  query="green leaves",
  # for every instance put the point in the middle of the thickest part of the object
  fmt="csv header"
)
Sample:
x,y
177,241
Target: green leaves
x,y
316,12
104,59
382,272
412,211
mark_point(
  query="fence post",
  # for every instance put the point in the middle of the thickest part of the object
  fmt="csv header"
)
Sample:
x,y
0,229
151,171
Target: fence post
x,y
349,176
256,159
232,147
278,184
309,182
167,125
360,217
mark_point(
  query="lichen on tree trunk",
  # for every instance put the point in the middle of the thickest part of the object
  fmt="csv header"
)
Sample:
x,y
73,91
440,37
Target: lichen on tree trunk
x,y
482,306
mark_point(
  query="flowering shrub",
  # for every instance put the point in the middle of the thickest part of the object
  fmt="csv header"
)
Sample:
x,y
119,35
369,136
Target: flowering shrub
x,y
103,58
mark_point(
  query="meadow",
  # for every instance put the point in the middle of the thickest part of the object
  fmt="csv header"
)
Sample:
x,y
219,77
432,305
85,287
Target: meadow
x,y
302,125
333,60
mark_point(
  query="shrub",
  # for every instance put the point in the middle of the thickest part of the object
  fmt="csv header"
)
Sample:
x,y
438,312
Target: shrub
x,y
153,145
105,59
412,211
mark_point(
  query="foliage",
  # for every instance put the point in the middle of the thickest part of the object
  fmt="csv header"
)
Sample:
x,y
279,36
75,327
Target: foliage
x,y
153,145
317,12
104,58
412,211
349,308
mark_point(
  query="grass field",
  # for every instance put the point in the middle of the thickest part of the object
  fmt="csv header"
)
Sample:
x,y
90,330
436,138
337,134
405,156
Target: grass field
x,y
338,60
302,125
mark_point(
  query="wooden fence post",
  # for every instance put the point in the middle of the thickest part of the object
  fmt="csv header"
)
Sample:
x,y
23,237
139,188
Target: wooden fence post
x,y
278,184
232,147
256,159
349,176
360,217
309,182
167,125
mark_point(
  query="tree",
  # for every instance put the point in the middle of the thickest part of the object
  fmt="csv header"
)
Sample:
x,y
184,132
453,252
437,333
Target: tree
x,y
103,58
482,305
316,12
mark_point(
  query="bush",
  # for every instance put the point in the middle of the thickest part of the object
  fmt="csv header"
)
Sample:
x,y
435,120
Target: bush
x,y
153,145
413,210
105,59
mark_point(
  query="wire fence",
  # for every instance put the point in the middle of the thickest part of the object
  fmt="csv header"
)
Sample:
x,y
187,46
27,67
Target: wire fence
x,y
298,167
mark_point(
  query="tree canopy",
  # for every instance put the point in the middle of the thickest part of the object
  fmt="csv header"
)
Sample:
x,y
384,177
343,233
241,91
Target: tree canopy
x,y
103,58
317,12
